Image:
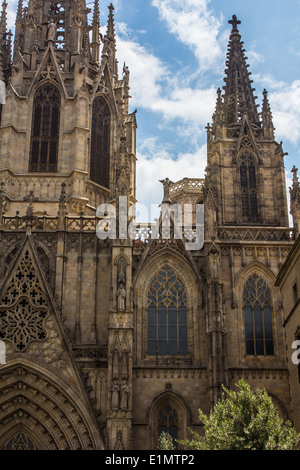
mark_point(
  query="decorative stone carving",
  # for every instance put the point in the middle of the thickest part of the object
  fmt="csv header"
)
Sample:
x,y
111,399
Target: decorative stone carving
x,y
23,307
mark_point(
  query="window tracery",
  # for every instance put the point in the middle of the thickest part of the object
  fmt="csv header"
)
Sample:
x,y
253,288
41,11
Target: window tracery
x,y
23,307
20,442
45,129
100,142
168,422
167,315
248,187
258,317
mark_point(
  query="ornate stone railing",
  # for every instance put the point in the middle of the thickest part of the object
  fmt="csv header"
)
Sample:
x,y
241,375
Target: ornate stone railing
x,y
186,185
256,233
144,233
46,223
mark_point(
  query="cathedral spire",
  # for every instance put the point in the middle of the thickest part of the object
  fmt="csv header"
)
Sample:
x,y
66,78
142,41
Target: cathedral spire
x,y
95,45
238,98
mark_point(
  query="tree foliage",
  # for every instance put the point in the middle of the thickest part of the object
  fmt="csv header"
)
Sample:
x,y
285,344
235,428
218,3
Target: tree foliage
x,y
165,442
244,420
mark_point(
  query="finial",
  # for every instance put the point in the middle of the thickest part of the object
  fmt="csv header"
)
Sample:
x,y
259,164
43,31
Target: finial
x,y
234,22
295,176
31,199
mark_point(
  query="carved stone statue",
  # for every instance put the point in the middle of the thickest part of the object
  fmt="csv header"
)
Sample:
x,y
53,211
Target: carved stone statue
x,y
51,31
124,397
115,392
121,297
126,74
166,184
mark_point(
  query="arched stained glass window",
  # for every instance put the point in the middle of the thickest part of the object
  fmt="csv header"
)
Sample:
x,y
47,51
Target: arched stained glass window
x,y
45,129
20,442
258,317
248,187
168,422
100,142
167,315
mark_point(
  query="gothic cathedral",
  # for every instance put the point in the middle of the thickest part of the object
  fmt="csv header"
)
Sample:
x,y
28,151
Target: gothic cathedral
x,y
111,341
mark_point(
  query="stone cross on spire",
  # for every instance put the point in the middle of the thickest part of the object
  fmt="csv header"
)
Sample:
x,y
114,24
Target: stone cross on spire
x,y
234,22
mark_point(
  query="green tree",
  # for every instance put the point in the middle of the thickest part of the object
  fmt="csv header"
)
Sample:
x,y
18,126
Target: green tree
x,y
244,420
165,442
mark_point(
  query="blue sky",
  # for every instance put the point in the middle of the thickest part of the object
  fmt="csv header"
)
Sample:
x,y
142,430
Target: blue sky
x,y
176,51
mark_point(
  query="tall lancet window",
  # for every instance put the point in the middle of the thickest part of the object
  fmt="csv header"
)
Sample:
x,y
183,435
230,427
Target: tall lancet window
x,y
258,317
100,142
45,129
167,315
248,187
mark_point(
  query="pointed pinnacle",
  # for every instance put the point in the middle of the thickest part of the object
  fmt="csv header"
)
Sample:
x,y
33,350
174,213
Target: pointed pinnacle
x,y
96,22
3,20
295,177
111,25
19,16
96,14
31,7
267,117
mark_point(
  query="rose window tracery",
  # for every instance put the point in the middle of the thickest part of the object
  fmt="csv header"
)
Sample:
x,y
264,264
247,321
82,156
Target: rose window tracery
x,y
23,307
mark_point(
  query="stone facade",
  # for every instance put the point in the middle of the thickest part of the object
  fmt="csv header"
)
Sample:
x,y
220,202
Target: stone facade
x,y
82,375
289,283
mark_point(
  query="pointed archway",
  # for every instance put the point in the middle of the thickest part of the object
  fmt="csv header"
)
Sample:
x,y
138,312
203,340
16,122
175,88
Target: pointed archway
x,y
43,402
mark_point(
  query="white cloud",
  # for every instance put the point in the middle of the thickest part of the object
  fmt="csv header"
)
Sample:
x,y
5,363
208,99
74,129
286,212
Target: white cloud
x,y
284,100
155,164
285,104
194,25
268,81
155,89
